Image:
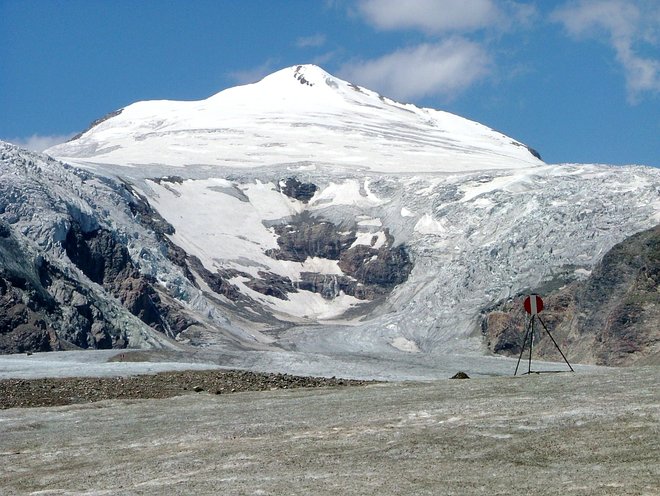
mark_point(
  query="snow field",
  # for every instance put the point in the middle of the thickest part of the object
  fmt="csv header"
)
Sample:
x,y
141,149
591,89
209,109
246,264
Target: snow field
x,y
283,119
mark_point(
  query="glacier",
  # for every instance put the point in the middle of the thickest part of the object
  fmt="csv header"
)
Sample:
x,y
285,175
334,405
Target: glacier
x,y
446,215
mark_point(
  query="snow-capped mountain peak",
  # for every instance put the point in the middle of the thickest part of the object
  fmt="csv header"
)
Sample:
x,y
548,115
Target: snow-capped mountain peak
x,y
300,114
308,75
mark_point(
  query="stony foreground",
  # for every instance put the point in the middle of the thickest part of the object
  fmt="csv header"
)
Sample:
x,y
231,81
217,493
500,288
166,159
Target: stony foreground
x,y
563,434
66,391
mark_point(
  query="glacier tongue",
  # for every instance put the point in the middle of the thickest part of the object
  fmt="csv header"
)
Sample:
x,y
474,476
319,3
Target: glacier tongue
x,y
476,239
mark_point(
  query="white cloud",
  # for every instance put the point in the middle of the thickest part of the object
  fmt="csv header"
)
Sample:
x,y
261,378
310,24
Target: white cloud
x,y
625,26
253,74
441,69
448,63
316,40
38,143
444,16
589,17
431,16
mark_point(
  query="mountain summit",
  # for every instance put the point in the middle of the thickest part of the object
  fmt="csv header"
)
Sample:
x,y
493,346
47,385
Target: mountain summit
x,y
298,115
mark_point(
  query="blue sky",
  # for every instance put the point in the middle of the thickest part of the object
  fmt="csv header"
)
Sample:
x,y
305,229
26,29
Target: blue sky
x,y
579,80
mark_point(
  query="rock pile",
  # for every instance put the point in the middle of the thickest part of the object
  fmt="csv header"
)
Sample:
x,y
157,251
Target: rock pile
x,y
65,391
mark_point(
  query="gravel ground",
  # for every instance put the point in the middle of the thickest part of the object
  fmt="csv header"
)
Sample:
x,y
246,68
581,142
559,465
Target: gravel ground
x,y
65,391
550,434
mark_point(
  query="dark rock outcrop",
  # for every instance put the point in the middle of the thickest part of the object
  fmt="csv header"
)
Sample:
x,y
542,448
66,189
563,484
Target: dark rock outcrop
x,y
300,77
44,309
272,285
107,262
305,236
218,281
329,286
460,375
384,267
22,326
369,272
98,255
534,152
293,188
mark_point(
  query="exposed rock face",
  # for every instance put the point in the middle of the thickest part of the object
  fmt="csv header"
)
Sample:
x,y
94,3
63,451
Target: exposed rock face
x,y
504,326
22,328
97,254
330,286
534,152
384,267
217,281
107,262
43,309
305,236
146,216
369,272
293,188
300,76
272,285
611,318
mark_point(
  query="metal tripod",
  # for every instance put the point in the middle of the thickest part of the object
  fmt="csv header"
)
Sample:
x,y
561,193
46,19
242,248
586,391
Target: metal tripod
x,y
530,332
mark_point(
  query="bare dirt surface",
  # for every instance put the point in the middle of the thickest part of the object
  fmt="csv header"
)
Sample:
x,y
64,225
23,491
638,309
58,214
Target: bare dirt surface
x,y
563,434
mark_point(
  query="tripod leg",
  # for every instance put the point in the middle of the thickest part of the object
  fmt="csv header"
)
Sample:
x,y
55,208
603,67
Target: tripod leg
x,y
531,346
522,349
556,345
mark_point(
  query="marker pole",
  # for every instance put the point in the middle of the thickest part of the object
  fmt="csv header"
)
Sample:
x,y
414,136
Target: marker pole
x,y
522,348
531,345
